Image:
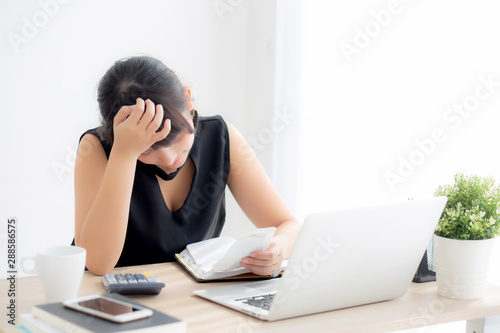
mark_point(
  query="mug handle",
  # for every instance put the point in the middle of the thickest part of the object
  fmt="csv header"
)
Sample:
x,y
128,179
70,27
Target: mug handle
x,y
26,270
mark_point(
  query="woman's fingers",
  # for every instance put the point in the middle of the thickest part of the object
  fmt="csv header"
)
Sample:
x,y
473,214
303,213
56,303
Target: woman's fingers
x,y
123,114
157,119
158,136
137,111
264,262
263,268
148,114
136,126
155,124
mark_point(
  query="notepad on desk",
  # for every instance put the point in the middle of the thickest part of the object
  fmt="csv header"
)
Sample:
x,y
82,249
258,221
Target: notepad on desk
x,y
218,259
56,318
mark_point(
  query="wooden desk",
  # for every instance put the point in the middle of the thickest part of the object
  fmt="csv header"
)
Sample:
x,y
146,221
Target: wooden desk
x,y
420,306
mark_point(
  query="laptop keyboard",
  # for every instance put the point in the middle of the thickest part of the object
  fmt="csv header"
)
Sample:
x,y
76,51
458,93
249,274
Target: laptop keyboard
x,y
260,301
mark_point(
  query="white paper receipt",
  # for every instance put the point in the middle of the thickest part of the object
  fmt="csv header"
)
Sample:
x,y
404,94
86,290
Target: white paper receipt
x,y
258,241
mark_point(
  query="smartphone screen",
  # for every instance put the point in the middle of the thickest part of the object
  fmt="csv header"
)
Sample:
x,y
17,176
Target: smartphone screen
x,y
107,306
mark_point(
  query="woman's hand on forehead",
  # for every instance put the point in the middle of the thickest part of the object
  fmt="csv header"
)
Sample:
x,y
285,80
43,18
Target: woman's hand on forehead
x,y
136,127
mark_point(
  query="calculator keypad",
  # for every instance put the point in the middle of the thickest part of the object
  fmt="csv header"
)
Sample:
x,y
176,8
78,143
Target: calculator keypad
x,y
132,284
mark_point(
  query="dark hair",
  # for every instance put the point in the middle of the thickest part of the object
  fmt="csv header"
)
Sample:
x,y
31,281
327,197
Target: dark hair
x,y
142,77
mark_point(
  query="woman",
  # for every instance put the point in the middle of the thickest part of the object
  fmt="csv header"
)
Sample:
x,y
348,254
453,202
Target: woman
x,y
151,178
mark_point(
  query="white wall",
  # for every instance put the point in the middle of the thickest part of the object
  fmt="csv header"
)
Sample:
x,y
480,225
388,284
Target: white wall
x,y
397,97
379,80
53,54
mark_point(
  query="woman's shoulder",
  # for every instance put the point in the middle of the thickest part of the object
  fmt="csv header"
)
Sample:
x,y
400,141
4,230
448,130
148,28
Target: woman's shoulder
x,y
92,131
213,120
92,136
212,125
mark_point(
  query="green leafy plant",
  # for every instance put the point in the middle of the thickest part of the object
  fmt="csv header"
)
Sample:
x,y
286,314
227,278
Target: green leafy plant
x,y
473,209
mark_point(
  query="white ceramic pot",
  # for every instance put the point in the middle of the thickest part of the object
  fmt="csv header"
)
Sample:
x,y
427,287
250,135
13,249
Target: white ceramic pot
x,y
461,267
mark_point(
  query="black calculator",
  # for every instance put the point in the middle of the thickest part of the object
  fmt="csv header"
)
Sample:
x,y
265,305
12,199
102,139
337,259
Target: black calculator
x,y
132,284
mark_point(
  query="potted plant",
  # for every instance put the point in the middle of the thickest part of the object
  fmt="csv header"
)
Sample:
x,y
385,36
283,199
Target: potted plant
x,y
464,236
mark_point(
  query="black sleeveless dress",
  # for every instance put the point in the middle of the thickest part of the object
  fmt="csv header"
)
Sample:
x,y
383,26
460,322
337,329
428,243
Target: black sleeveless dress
x,y
155,233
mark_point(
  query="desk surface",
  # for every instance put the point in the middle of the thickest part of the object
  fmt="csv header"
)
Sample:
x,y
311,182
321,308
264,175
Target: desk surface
x,y
420,306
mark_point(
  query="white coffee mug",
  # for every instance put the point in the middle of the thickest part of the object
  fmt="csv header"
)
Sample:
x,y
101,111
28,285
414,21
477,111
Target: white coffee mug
x,y
61,270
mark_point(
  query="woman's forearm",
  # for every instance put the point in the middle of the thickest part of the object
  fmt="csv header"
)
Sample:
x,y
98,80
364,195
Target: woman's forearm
x,y
286,235
104,228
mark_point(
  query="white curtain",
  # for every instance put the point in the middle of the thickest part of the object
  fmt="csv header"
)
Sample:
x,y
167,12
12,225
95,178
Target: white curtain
x,y
396,97
391,99
287,100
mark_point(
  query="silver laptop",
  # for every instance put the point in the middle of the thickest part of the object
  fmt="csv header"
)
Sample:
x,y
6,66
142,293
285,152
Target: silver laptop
x,y
342,259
